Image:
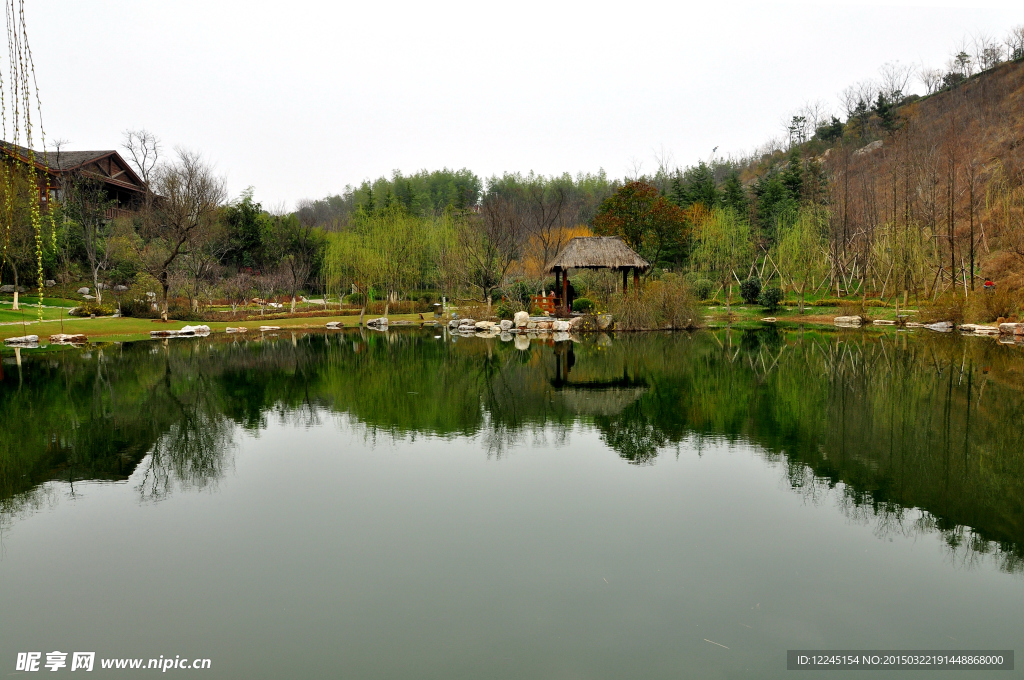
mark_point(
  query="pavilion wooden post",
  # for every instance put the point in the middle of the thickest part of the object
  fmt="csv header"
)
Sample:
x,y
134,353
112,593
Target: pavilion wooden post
x,y
565,288
624,287
636,280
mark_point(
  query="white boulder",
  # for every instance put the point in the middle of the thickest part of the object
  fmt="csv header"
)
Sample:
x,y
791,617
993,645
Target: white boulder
x,y
22,340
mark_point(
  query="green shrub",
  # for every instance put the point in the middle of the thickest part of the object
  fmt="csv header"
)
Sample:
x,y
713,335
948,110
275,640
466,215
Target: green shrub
x,y
846,302
90,308
703,289
770,298
536,311
139,309
505,310
750,289
355,299
179,310
520,293
583,305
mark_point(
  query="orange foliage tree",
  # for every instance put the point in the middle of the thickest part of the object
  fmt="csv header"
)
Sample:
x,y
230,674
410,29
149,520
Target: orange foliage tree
x,y
645,219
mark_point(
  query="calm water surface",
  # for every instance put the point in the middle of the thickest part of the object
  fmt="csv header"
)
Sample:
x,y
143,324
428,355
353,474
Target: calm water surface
x,y
409,506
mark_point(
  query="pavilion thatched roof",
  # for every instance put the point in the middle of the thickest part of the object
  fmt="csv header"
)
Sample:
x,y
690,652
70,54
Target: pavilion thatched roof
x,y
597,252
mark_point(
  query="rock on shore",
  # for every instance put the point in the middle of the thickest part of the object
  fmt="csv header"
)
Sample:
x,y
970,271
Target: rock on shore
x,y
23,341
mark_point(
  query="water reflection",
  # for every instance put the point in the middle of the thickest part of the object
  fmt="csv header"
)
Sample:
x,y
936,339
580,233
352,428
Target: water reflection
x,y
913,433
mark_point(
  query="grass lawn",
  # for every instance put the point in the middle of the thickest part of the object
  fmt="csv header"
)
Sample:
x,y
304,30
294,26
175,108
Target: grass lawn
x,y
790,314
111,329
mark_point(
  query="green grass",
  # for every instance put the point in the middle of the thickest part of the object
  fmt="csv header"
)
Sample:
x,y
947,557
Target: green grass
x,y
26,313
34,300
791,313
125,329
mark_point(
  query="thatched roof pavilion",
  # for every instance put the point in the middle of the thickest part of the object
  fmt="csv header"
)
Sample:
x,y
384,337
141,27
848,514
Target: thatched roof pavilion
x,y
596,252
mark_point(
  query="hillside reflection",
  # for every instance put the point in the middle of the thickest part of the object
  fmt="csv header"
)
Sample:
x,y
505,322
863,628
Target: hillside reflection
x,y
894,425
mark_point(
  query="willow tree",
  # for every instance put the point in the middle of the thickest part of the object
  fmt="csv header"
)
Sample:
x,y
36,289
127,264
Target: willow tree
x,y
902,252
351,262
722,245
387,250
19,93
19,244
801,253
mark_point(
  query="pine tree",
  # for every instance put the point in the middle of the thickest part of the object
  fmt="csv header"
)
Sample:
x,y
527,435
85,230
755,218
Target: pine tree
x,y
733,194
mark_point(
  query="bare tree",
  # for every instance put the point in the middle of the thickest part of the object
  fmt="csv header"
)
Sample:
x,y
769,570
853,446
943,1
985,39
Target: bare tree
x,y
143,149
931,78
816,112
238,289
492,244
266,286
85,204
863,93
183,217
986,51
201,263
894,78
1015,43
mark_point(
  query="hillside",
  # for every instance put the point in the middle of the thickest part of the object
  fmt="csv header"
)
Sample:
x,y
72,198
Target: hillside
x,y
939,187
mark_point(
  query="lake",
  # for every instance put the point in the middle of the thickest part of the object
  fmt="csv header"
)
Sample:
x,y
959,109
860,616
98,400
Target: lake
x,y
417,505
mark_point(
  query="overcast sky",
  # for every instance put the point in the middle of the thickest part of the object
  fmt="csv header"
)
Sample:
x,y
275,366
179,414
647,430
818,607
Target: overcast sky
x,y
298,99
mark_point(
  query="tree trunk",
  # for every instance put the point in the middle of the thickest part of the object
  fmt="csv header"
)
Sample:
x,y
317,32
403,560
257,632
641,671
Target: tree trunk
x,y
728,301
15,270
164,286
293,303
362,312
96,286
387,306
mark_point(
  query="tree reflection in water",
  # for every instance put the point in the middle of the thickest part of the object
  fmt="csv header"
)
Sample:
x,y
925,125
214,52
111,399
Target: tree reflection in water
x,y
888,424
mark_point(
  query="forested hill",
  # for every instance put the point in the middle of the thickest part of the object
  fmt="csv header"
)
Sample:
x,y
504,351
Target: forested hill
x,y
948,166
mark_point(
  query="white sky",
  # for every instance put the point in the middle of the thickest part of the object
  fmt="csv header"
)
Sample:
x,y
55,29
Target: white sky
x,y
300,98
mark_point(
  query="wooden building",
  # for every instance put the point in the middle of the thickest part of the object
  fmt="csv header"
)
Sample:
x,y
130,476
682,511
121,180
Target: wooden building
x,y
122,185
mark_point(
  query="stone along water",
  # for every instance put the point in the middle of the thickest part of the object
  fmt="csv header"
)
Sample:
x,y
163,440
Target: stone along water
x,y
408,506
